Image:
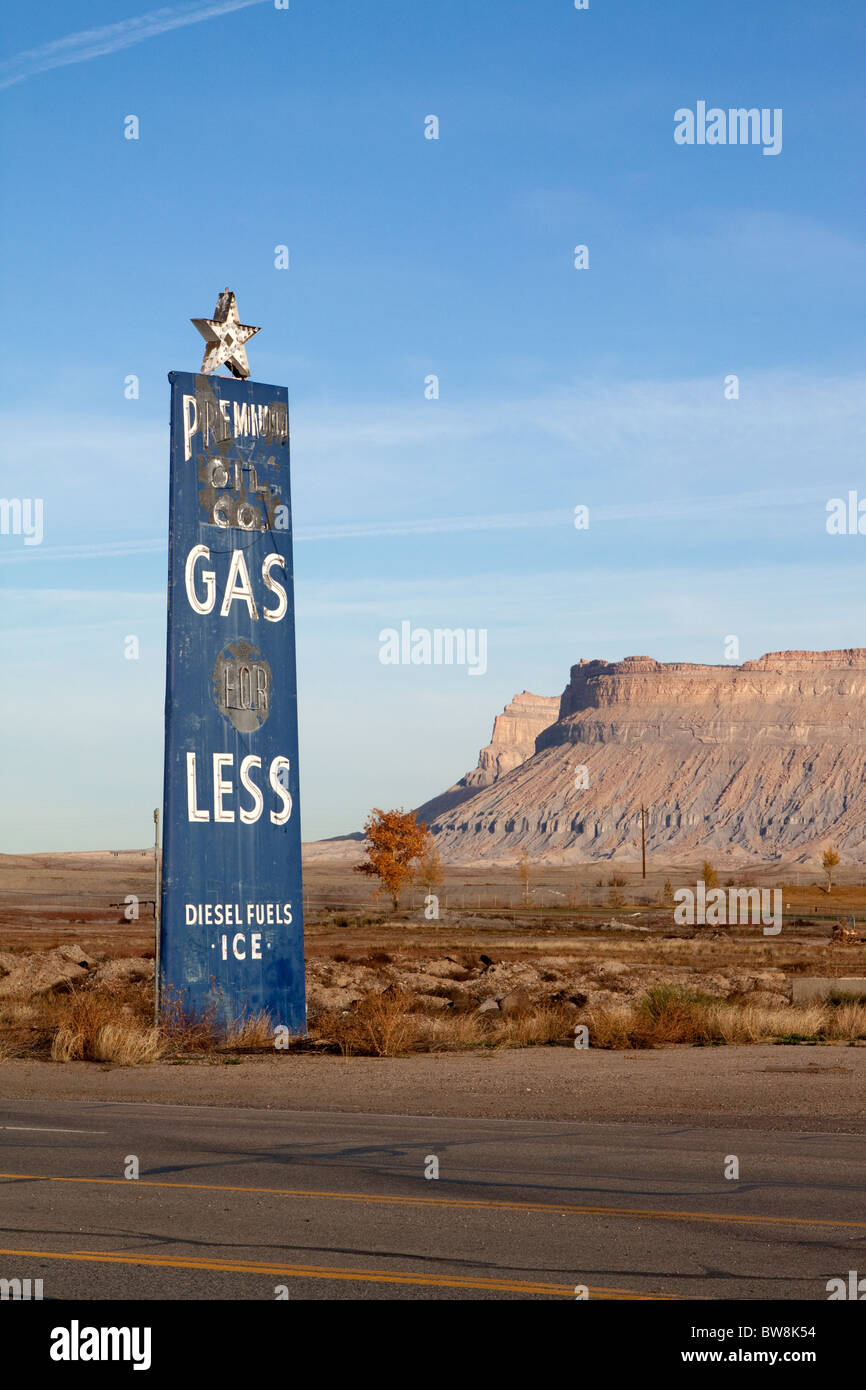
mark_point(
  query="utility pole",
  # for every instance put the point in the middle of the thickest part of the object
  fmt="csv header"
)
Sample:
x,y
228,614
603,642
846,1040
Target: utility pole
x,y
643,841
156,916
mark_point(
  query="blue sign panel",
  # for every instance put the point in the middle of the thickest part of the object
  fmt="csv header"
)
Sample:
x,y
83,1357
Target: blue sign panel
x,y
231,938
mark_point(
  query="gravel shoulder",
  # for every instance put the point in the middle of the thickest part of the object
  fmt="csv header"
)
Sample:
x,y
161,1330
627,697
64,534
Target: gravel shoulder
x,y
817,1089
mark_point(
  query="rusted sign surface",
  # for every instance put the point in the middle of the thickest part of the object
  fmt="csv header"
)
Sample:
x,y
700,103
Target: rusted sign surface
x,y
231,932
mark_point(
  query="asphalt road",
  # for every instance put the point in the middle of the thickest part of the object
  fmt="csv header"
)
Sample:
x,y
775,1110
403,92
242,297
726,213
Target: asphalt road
x,y
238,1203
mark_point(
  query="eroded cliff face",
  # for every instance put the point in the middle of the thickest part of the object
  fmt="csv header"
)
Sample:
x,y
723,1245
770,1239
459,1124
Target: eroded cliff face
x,y
513,741
792,696
763,760
514,736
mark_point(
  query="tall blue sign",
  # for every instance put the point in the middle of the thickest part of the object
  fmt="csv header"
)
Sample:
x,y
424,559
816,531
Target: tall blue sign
x,y
231,937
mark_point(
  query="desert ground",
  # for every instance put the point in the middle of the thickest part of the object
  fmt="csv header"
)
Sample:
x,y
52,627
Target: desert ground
x,y
599,1167
506,964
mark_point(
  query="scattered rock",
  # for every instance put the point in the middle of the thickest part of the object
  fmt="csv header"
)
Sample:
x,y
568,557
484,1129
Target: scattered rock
x,y
124,971
47,972
570,1005
420,982
514,973
577,1001
322,998
603,999
517,1001
434,1002
347,979
775,980
768,999
447,969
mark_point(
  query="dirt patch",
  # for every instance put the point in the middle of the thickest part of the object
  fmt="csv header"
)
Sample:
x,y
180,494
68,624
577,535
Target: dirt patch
x,y
697,1088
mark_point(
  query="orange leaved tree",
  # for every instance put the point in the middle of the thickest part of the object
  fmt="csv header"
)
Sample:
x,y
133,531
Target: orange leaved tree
x,y
830,860
395,839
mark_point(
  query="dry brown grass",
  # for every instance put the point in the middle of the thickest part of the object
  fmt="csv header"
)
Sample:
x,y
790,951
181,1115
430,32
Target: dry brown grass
x,y
96,1022
128,1046
535,1027
614,1028
67,1045
667,1016
379,1026
393,1024
452,1032
845,1021
122,1044
16,1012
113,1022
28,1025
184,1034
254,1033
94,1030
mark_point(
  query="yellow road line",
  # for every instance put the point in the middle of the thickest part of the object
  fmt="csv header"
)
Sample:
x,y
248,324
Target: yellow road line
x,y
484,1204
292,1271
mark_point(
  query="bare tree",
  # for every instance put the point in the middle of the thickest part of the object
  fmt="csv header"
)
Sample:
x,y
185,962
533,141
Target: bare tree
x,y
524,869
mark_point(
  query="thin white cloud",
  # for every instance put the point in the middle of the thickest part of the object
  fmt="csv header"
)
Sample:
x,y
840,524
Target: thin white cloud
x,y
659,610
766,243
665,509
99,550
110,38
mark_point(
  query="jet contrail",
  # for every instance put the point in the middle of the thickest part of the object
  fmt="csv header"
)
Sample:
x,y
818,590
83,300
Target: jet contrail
x,y
95,43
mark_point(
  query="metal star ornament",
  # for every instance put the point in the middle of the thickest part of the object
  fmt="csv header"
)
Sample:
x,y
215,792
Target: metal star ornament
x,y
225,336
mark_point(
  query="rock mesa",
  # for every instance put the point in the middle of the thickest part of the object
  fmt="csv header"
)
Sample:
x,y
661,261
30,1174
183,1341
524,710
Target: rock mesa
x,y
766,760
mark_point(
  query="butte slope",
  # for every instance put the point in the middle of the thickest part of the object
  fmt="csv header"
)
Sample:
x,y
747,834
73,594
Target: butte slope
x,y
761,761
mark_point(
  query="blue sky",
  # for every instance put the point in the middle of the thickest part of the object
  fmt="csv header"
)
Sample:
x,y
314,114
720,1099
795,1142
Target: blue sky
x,y
409,257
